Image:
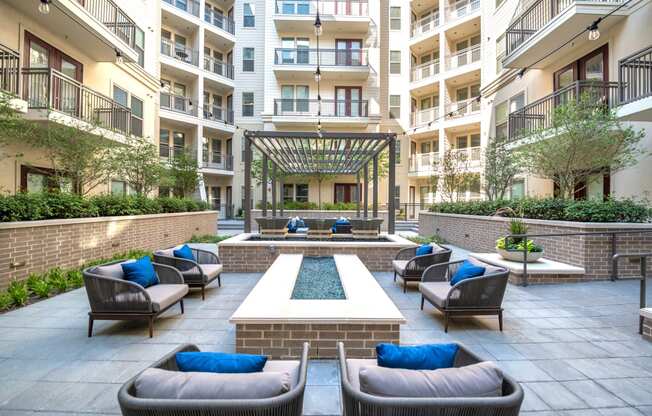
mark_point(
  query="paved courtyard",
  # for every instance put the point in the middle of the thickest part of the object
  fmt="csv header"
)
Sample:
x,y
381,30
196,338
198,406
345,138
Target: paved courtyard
x,y
574,348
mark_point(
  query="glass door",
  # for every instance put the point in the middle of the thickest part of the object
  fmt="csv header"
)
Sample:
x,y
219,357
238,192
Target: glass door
x,y
302,97
460,48
348,52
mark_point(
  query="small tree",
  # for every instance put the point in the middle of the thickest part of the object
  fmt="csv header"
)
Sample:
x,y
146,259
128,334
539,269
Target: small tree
x,y
500,166
586,141
183,174
138,163
13,128
453,174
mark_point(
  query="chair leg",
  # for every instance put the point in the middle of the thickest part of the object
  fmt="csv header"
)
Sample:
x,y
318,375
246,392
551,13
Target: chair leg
x,y
446,322
394,276
203,292
150,320
90,326
404,286
500,320
219,280
181,304
422,301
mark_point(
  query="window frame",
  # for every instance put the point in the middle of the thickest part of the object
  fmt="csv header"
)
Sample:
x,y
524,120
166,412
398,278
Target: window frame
x,y
251,17
395,21
392,54
394,110
246,104
248,65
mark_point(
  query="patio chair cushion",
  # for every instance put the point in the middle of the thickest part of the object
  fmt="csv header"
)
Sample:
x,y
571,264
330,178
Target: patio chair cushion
x,y
353,367
424,249
488,268
466,271
436,292
219,362
399,266
477,380
141,271
155,383
211,270
112,270
284,366
416,357
163,296
184,252
169,252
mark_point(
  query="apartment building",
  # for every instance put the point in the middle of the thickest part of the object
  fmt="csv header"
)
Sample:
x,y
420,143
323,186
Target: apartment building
x,y
78,63
614,66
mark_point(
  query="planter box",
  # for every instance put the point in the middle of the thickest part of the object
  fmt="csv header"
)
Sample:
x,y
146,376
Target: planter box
x,y
37,246
593,253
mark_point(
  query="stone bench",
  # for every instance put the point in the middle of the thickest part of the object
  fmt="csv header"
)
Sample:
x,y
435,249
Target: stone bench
x,y
539,272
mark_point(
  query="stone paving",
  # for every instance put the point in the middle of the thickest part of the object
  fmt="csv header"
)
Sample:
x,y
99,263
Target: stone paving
x,y
574,348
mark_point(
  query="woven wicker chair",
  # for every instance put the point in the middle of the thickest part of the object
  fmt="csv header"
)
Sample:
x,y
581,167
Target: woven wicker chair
x,y
409,267
113,298
481,295
357,403
287,404
196,273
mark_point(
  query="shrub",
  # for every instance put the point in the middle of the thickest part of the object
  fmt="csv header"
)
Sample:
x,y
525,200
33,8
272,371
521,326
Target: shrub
x,y
39,285
75,278
419,239
5,301
58,280
208,238
340,206
18,292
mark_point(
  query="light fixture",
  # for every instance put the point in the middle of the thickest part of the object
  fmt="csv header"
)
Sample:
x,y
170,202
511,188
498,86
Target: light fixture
x,y
318,75
521,73
118,57
318,28
594,32
44,7
190,105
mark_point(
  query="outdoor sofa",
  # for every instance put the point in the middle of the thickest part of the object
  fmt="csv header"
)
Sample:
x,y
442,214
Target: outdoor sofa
x,y
355,402
286,404
410,267
482,295
111,297
200,272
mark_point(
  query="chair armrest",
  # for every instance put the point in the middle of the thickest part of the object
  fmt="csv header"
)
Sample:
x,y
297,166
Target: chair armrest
x,y
168,275
206,256
479,292
110,294
176,262
406,253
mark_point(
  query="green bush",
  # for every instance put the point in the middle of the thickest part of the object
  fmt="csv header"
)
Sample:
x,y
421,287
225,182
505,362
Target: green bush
x,y
419,239
5,301
208,238
57,279
554,209
75,278
18,292
39,285
340,206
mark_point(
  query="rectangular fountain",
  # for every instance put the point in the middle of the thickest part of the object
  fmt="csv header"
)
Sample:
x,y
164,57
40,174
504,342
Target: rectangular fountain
x,y
321,300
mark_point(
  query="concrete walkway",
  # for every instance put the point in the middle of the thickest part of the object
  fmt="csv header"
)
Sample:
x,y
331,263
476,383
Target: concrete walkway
x,y
574,348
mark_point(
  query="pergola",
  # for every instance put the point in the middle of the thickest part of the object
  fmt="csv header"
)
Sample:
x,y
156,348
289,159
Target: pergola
x,y
304,153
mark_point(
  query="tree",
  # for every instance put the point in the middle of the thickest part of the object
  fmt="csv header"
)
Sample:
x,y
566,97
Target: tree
x,y
13,128
454,176
500,166
138,163
183,174
585,142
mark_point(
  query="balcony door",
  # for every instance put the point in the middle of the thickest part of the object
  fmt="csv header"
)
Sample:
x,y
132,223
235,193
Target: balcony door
x,y
348,52
348,101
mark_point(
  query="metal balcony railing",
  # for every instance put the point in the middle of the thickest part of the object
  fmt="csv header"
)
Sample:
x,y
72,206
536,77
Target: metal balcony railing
x,y
461,9
215,160
327,57
219,114
188,6
424,163
425,25
425,71
635,76
178,103
468,154
113,17
536,16
464,57
9,70
183,54
462,108
220,21
422,117
326,7
540,113
49,89
329,108
218,67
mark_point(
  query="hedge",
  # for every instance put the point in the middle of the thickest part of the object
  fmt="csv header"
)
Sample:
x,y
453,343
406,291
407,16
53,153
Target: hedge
x,y
625,210
59,205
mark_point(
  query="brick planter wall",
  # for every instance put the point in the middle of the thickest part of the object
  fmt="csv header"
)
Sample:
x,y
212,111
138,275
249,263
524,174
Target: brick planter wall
x,y
647,329
37,246
593,253
285,340
316,214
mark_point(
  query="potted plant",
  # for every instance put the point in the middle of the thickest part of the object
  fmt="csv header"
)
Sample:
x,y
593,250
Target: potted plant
x,y
513,249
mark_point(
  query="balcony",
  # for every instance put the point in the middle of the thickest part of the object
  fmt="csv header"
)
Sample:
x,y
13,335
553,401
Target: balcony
x,y
351,16
178,108
461,59
334,63
219,68
98,28
538,115
423,117
333,112
217,162
635,80
219,118
53,96
545,24
221,22
179,53
462,108
423,76
470,156
424,27
9,70
188,6
461,10
423,164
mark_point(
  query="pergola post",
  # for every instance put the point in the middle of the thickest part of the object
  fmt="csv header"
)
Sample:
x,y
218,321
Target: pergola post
x,y
357,194
264,185
247,185
281,199
391,182
366,190
273,190
374,193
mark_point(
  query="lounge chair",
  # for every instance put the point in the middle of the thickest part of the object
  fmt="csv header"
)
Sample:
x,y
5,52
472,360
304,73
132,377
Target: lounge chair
x,y
200,272
319,228
366,228
113,298
276,227
481,295
287,404
358,403
410,267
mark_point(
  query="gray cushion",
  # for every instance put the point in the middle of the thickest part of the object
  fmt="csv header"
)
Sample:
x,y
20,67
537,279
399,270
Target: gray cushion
x,y
211,270
155,383
163,296
477,380
488,268
284,366
112,270
436,292
399,266
353,367
167,252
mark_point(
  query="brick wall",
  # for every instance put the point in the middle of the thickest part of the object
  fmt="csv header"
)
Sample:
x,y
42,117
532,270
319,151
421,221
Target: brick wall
x,y
285,341
256,213
593,253
37,246
647,328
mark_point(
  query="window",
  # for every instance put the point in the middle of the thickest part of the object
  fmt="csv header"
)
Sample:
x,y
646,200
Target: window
x,y
394,62
397,153
517,102
499,3
164,143
121,96
248,18
394,106
288,192
247,104
179,143
247,59
302,192
500,52
500,119
136,116
395,18
118,188
164,191
517,190
139,46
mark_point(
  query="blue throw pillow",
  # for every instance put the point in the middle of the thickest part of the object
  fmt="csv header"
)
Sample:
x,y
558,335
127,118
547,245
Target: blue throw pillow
x,y
466,271
419,357
140,271
424,249
184,253
218,362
